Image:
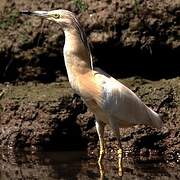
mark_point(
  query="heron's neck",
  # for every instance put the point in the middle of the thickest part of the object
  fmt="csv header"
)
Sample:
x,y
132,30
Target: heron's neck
x,y
76,54
77,58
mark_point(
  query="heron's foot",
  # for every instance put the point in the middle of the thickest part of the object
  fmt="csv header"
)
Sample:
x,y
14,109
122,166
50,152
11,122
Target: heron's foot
x,y
101,170
101,156
101,167
120,166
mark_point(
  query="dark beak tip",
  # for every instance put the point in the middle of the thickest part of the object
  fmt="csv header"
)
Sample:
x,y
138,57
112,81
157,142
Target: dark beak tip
x,y
34,13
25,12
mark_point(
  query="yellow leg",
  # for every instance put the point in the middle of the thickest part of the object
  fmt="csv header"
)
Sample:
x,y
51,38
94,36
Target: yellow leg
x,y
101,167
101,154
120,166
100,131
120,151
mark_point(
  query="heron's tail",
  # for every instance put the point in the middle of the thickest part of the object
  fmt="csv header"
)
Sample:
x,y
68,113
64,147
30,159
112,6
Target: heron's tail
x,y
155,120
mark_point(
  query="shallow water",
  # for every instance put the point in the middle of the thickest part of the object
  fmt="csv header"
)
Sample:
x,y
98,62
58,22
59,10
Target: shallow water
x,y
74,165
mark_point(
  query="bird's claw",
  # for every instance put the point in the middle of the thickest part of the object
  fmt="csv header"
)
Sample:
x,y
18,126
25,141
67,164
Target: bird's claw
x,y
120,154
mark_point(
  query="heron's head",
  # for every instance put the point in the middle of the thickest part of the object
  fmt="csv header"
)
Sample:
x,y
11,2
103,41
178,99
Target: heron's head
x,y
63,17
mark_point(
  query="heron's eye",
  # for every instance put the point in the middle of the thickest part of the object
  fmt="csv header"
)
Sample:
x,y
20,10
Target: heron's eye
x,y
56,16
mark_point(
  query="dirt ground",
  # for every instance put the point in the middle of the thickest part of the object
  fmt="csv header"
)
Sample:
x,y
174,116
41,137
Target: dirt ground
x,y
137,42
140,33
49,116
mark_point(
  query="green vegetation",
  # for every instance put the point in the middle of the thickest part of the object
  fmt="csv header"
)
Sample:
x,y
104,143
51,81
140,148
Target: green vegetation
x,y
23,38
136,6
1,95
9,20
80,4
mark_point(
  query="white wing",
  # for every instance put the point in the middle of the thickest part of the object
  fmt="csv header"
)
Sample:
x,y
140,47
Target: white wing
x,y
122,105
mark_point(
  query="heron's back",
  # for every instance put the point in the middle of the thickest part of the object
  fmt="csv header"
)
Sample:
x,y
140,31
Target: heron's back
x,y
122,106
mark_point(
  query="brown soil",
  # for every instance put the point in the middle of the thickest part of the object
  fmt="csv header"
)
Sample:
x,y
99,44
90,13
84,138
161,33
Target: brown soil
x,y
129,38
49,116
142,32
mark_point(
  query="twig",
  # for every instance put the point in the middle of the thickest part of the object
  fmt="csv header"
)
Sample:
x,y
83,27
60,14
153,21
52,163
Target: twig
x,y
2,93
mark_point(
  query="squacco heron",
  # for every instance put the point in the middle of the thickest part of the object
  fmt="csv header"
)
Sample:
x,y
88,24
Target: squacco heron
x,y
111,102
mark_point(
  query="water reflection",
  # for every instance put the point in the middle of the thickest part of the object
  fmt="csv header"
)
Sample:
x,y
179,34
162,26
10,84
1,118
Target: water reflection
x,y
75,166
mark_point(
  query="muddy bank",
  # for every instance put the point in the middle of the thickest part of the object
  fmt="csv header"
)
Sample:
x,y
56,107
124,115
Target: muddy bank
x,y
49,116
38,115
140,33
58,165
128,39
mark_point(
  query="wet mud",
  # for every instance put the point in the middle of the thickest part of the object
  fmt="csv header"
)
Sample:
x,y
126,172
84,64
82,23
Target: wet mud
x,y
135,41
38,116
74,165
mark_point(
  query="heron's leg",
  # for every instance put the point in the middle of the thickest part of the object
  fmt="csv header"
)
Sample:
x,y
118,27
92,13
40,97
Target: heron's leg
x,y
120,156
120,150
100,130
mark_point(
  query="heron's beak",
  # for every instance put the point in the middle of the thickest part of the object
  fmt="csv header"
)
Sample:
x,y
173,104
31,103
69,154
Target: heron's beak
x,y
35,13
